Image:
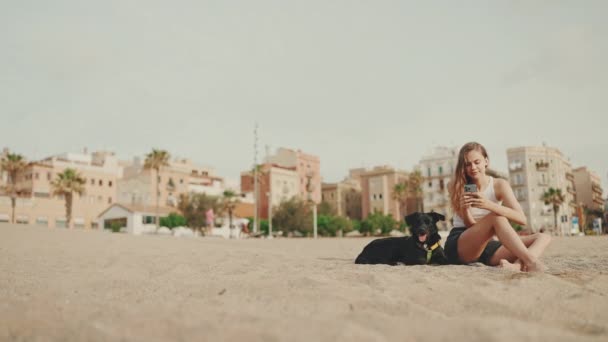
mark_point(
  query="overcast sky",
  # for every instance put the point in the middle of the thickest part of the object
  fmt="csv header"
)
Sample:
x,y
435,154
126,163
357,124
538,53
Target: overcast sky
x,y
358,83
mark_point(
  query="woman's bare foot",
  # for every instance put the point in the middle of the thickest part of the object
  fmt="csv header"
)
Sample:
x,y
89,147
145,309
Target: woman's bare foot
x,y
534,266
516,267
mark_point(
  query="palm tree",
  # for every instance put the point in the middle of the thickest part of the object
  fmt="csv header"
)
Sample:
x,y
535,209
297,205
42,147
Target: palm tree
x,y
66,184
400,195
229,202
155,160
13,165
415,181
555,198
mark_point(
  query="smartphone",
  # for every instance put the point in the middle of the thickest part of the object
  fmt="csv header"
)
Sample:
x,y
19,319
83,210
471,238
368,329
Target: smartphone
x,y
470,188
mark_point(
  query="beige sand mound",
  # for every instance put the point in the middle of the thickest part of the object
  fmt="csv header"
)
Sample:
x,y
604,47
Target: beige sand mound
x,y
60,285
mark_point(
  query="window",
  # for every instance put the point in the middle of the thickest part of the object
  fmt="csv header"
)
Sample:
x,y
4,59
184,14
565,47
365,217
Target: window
x,y
110,184
430,184
109,200
49,175
100,182
60,223
36,175
441,170
181,181
148,219
42,221
428,171
92,181
380,195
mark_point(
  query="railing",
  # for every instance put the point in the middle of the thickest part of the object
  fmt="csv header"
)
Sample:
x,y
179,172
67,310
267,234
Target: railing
x,y
542,166
516,168
570,176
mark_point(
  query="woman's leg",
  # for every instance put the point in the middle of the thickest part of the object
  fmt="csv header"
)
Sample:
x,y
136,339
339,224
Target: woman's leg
x,y
536,244
473,241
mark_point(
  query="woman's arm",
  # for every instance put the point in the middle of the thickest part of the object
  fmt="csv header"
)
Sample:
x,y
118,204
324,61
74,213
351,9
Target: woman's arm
x,y
510,207
465,212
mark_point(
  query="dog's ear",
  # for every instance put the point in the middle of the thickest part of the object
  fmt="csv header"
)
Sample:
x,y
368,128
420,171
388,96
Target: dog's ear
x,y
436,216
412,218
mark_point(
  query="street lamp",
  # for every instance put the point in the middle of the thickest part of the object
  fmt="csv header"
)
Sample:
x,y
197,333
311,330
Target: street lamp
x,y
310,188
269,214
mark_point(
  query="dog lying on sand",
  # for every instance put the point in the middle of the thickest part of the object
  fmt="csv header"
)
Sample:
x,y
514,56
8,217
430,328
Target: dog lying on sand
x,y
421,248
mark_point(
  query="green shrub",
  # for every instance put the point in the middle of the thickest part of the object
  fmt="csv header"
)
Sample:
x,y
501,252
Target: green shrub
x,y
172,221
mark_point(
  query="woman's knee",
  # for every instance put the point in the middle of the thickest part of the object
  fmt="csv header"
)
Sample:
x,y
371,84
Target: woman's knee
x,y
499,219
544,237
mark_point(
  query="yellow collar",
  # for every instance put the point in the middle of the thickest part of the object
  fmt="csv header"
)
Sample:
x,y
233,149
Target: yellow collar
x,y
429,251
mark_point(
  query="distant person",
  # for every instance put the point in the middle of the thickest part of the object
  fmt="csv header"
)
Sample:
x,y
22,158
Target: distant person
x,y
485,212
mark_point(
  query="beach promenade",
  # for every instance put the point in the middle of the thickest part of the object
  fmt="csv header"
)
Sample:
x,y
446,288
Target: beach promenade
x,y
85,285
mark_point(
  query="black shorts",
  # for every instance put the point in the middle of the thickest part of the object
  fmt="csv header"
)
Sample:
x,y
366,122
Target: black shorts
x,y
451,248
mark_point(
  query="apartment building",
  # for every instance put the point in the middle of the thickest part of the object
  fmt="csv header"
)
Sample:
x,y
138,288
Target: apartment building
x,y
588,188
308,168
345,196
532,171
182,176
437,168
276,185
377,192
37,204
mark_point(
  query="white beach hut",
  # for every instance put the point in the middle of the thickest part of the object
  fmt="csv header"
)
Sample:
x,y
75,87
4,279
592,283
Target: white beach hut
x,y
136,219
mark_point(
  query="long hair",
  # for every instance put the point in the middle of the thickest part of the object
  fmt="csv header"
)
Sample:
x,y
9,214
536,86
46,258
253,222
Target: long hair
x,y
456,187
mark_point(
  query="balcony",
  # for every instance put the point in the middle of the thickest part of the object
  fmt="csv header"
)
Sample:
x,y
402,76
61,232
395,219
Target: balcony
x,y
598,200
570,176
573,204
596,188
571,190
516,167
546,212
542,166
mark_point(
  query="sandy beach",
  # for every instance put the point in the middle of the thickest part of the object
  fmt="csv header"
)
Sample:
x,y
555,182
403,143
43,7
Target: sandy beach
x,y
79,285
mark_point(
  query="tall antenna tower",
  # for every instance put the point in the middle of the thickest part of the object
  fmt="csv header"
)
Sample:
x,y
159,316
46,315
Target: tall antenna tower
x,y
255,178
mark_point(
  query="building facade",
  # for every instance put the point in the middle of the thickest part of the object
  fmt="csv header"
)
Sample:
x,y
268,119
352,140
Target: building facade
x,y
377,192
38,205
181,177
588,187
277,184
344,197
532,171
437,168
308,168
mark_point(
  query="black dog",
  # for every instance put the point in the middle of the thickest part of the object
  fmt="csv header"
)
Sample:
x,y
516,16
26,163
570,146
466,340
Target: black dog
x,y
421,248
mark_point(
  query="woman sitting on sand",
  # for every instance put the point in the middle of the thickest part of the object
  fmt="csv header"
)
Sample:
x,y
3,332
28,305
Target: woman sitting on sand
x,y
478,216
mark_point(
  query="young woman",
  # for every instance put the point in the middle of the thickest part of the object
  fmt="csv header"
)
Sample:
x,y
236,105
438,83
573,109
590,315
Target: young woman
x,y
481,215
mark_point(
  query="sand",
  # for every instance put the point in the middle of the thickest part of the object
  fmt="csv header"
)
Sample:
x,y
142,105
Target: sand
x,y
78,285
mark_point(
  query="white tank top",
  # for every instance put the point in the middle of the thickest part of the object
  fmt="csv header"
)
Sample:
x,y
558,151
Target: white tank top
x,y
478,213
